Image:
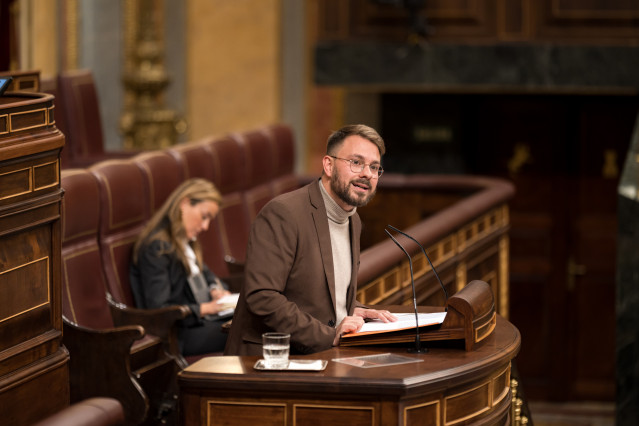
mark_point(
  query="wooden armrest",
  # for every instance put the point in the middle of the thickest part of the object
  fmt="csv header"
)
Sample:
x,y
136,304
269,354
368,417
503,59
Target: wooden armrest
x,y
234,266
159,322
90,412
234,282
99,365
226,327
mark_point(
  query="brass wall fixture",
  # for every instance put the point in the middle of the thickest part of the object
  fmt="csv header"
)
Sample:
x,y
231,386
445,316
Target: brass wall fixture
x,y
520,157
610,170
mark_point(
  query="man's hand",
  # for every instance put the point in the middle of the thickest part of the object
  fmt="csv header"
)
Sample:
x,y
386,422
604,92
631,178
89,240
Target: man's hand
x,y
384,316
348,325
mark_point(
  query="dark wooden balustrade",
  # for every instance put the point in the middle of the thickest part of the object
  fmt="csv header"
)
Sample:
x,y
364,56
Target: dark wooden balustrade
x,y
462,222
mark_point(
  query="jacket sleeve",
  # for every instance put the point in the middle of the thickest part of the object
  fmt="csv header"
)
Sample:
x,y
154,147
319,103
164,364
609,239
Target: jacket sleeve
x,y
272,252
154,264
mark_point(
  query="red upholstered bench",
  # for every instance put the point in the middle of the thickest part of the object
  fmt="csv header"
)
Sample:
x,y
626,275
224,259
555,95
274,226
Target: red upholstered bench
x,y
104,209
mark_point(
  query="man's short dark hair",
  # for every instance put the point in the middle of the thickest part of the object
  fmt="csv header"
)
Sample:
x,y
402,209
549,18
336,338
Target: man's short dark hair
x,y
336,139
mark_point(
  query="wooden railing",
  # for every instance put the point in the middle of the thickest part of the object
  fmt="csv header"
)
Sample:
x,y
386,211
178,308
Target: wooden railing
x,y
462,222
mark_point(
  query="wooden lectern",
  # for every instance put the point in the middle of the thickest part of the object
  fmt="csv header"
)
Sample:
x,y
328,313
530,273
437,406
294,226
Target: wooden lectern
x,y
34,378
470,317
445,386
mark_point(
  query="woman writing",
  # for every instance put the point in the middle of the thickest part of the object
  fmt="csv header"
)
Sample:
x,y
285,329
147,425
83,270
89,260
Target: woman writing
x,y
168,270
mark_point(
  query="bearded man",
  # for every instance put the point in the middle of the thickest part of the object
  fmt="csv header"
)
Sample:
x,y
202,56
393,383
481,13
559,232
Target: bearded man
x,y
303,254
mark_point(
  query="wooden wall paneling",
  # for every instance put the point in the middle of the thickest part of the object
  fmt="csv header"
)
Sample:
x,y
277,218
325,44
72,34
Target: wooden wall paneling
x,y
446,19
586,21
513,19
472,21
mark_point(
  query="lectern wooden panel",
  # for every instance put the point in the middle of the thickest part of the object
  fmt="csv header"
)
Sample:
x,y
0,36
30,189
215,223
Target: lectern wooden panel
x,y
34,379
446,386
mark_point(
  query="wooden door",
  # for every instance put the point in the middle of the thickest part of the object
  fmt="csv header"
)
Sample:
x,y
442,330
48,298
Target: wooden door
x,y
564,154
605,128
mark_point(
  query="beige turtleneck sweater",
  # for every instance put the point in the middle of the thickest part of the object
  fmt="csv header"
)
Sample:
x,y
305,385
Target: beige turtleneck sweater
x,y
338,224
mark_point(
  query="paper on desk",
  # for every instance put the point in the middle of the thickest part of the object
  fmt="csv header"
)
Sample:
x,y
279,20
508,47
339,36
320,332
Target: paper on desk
x,y
229,303
231,299
404,321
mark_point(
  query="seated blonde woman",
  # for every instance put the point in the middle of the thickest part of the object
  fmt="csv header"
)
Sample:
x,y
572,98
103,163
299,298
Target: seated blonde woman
x,y
167,267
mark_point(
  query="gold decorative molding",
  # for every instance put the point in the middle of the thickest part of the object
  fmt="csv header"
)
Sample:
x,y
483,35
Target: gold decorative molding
x,y
516,416
51,115
28,179
461,276
212,404
491,392
326,411
458,403
24,301
484,331
4,124
504,278
28,120
432,420
71,37
145,122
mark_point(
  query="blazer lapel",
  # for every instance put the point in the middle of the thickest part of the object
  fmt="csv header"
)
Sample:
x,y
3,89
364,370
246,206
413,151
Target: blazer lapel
x,y
320,219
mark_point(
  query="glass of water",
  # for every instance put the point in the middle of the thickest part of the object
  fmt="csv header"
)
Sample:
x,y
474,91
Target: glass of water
x,y
275,348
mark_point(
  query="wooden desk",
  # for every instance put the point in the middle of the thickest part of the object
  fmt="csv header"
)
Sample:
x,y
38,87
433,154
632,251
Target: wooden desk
x,y
451,386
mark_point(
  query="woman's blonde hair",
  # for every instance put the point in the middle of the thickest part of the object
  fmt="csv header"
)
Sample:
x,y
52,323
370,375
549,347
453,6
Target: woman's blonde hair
x,y
166,224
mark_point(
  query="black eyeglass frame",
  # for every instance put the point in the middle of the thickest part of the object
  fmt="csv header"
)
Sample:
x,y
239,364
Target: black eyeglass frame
x,y
376,174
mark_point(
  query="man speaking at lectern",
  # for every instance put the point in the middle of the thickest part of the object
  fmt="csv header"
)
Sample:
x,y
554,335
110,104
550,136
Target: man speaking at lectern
x,y
303,254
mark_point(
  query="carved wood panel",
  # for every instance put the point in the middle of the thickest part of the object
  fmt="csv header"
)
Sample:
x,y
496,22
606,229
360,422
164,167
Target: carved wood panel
x,y
588,21
32,358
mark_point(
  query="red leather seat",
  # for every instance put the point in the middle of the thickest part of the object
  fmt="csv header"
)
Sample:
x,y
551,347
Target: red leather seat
x,y
100,361
285,179
260,170
161,175
84,285
197,161
111,352
90,412
77,102
125,210
233,219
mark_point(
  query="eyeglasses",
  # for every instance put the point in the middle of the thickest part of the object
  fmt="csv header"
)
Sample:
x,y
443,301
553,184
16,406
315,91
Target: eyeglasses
x,y
357,166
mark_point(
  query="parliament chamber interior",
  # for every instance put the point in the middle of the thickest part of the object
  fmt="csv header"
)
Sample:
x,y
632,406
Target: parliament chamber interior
x,y
512,157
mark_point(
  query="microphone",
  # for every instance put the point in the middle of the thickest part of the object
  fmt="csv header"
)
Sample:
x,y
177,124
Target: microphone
x,y
428,258
418,347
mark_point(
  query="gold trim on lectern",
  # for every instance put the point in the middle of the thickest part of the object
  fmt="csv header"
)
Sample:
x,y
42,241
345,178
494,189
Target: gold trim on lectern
x,y
35,124
48,295
212,403
476,392
28,180
425,404
335,407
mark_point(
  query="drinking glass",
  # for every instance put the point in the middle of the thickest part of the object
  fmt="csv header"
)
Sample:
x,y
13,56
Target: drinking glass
x,y
275,349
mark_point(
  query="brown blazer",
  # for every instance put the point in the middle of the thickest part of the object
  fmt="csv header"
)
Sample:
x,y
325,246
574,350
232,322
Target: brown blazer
x,y
289,276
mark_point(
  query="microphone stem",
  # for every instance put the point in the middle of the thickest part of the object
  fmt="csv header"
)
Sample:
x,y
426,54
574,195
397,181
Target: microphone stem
x,y
418,345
